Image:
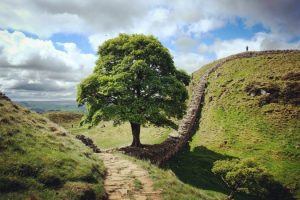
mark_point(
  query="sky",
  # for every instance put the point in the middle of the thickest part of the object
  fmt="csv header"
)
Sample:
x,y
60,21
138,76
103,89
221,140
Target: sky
x,y
48,46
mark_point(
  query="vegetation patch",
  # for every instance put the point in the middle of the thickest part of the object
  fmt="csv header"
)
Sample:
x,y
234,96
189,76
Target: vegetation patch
x,y
251,110
40,164
173,188
245,176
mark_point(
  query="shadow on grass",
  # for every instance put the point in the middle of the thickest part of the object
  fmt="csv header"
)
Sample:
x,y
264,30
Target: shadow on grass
x,y
194,168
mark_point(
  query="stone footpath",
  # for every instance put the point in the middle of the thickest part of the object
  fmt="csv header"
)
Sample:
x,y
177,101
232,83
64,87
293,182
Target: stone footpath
x,y
126,180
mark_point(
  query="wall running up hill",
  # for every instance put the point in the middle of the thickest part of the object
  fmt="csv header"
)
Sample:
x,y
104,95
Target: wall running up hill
x,y
158,154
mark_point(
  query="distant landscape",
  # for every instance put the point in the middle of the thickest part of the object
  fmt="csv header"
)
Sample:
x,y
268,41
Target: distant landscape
x,y
45,106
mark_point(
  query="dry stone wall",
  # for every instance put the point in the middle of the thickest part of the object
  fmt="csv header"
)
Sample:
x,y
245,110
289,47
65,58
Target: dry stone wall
x,y
160,153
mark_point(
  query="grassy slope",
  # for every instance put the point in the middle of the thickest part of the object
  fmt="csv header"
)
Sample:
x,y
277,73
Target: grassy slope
x,y
40,160
233,124
171,187
230,116
106,135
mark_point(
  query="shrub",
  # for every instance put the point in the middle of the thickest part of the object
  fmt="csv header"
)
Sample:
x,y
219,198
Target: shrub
x,y
243,176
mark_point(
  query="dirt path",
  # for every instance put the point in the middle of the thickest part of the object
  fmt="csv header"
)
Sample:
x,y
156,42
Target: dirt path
x,y
126,180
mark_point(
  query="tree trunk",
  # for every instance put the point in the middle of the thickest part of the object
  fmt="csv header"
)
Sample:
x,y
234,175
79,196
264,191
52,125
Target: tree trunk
x,y
136,129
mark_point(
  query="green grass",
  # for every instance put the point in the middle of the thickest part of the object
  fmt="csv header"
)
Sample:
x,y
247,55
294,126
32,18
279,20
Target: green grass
x,y
235,124
172,187
41,160
106,135
65,119
138,184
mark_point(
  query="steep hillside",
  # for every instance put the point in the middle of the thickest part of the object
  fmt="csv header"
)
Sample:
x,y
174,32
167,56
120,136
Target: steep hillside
x,y
251,109
40,160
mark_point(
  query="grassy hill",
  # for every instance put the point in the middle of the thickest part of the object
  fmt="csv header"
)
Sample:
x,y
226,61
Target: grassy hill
x,y
41,160
251,109
107,136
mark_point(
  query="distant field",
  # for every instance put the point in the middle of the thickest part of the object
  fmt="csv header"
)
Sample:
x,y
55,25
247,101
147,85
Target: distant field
x,y
44,106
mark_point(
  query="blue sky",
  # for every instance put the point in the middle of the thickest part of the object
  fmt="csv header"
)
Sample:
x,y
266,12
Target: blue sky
x,y
48,46
81,41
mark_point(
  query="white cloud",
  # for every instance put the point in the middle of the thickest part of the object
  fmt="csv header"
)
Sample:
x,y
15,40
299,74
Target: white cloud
x,y
97,39
261,41
158,22
185,43
189,61
277,15
36,65
32,62
205,25
161,18
47,17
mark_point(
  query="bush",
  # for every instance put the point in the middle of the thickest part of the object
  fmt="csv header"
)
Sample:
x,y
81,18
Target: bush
x,y
243,176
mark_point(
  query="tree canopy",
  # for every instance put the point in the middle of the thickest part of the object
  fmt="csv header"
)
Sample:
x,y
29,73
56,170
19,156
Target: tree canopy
x,y
134,80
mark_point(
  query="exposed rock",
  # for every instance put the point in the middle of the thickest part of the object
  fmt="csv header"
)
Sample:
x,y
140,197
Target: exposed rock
x,y
88,142
292,76
253,94
263,92
291,93
2,96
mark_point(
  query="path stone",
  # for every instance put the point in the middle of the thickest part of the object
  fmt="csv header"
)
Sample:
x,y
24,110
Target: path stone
x,y
127,180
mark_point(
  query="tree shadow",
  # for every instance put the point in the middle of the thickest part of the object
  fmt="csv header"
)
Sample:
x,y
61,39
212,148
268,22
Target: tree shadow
x,y
194,168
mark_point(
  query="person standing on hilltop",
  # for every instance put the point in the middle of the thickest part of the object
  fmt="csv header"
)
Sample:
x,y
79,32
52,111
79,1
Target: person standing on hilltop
x,y
247,48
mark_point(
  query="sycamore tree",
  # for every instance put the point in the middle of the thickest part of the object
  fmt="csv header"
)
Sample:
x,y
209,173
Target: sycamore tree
x,y
134,81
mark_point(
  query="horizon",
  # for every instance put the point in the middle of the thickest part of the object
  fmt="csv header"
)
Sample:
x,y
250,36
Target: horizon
x,y
41,100
45,61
